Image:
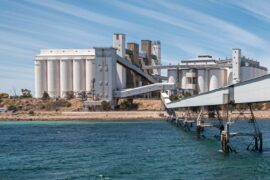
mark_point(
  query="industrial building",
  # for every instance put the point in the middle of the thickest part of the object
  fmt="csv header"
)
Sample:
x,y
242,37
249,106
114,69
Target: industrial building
x,y
125,70
63,72
204,73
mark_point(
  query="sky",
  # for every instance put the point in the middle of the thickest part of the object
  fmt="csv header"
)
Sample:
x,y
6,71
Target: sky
x,y
185,29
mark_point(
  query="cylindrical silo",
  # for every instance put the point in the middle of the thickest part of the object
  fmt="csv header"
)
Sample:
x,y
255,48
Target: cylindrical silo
x,y
184,79
254,72
257,72
214,79
78,75
65,78
206,80
172,76
222,81
90,66
201,81
229,76
261,72
53,78
40,78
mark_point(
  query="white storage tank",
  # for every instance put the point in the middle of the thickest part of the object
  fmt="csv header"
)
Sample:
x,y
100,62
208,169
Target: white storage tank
x,y
184,79
78,76
172,76
223,78
214,79
229,76
65,78
245,73
201,81
40,78
257,72
252,73
53,78
90,66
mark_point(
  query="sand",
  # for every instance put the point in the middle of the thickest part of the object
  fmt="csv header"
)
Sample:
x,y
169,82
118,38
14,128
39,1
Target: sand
x,y
108,115
104,115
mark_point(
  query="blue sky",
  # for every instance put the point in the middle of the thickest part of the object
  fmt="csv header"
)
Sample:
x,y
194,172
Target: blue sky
x,y
185,29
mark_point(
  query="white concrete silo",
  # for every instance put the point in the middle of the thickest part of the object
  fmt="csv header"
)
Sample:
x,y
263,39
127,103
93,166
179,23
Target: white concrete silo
x,y
172,76
201,81
229,76
65,78
214,79
223,78
78,76
253,73
246,73
53,78
184,79
90,68
40,78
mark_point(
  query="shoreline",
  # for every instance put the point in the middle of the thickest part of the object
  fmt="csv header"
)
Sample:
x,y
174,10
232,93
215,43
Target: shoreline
x,y
87,116
100,116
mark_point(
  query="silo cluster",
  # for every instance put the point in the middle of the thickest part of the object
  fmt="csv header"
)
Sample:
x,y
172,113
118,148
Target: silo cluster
x,y
201,80
64,77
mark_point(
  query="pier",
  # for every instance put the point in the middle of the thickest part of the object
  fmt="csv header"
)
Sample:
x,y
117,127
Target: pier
x,y
247,92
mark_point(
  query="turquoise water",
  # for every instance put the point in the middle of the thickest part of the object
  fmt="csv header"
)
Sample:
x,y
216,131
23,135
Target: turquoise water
x,y
124,150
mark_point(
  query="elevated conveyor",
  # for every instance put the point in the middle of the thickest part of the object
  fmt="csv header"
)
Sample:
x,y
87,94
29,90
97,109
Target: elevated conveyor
x,y
143,89
130,66
251,91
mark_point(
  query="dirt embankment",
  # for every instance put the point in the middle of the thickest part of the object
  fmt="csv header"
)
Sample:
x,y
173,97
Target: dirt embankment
x,y
38,109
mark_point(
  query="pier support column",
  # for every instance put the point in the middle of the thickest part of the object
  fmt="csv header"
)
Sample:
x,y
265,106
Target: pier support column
x,y
261,142
225,137
199,127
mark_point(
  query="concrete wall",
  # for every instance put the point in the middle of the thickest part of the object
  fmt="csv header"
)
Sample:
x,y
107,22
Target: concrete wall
x,y
119,43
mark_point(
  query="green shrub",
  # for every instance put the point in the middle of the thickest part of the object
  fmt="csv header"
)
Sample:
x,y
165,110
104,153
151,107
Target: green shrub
x,y
257,106
12,108
4,95
45,96
105,106
55,105
174,98
26,93
128,104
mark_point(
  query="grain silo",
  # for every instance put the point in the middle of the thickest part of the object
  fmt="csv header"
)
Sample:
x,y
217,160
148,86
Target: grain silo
x,y
214,79
90,66
66,85
40,78
172,76
78,76
201,81
53,78
184,79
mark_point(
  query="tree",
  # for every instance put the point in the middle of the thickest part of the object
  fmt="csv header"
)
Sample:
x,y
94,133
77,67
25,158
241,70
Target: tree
x,y
12,108
4,95
174,97
45,96
26,93
83,95
105,106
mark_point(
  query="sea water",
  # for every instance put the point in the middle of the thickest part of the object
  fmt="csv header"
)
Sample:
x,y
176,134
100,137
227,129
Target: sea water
x,y
125,150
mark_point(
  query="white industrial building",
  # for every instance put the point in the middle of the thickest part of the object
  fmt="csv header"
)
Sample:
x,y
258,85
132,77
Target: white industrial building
x,y
204,73
61,72
105,73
